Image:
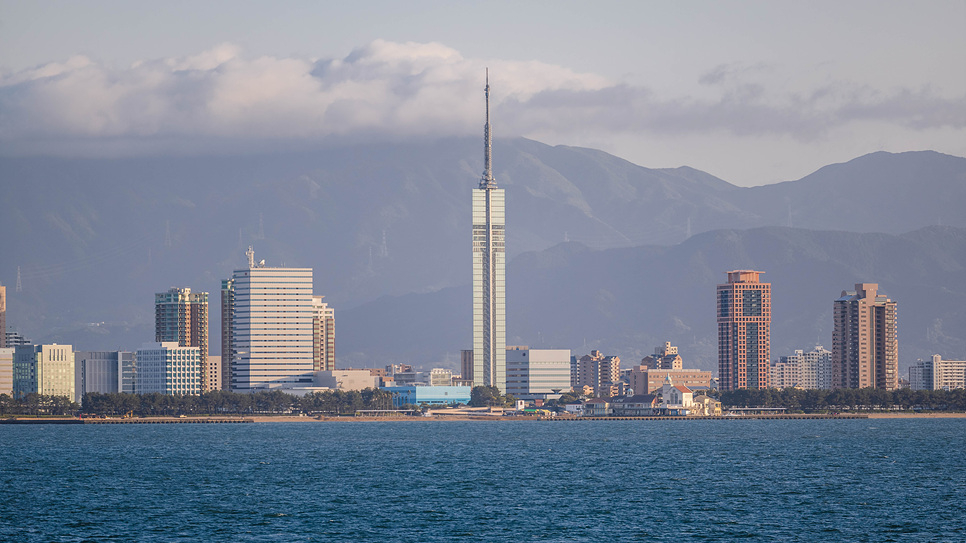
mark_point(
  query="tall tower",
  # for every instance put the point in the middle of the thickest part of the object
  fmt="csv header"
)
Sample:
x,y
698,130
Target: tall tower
x,y
865,339
271,327
489,271
744,331
182,316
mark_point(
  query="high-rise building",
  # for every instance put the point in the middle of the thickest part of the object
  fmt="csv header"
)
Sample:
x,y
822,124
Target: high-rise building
x,y
537,374
489,272
168,368
3,316
271,327
596,371
937,374
181,316
744,331
865,339
46,370
323,333
227,311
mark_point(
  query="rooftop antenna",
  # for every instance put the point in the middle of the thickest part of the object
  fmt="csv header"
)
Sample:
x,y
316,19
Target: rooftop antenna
x,y
487,182
250,253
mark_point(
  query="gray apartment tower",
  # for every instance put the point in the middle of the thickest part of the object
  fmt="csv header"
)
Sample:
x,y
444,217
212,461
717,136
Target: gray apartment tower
x,y
489,272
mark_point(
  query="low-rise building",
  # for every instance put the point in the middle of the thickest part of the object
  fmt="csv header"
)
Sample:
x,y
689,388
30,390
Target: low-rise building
x,y
430,395
639,405
705,406
596,407
105,372
44,369
345,379
164,367
537,374
937,374
644,380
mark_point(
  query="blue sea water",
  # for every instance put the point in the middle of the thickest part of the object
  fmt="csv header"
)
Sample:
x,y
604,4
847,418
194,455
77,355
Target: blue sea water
x,y
737,480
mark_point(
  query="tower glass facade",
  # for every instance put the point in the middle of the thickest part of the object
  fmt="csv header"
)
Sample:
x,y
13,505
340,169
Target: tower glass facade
x,y
489,274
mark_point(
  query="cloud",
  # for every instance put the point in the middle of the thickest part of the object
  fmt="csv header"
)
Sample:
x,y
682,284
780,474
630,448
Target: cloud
x,y
222,98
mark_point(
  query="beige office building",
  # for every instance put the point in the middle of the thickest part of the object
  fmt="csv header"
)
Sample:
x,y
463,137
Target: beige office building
x,y
744,331
644,380
44,369
865,339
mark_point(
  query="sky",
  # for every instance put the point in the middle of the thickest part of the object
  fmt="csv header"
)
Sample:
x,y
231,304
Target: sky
x,y
753,92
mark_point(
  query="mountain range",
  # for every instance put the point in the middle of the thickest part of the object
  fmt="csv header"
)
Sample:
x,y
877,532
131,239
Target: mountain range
x,y
387,226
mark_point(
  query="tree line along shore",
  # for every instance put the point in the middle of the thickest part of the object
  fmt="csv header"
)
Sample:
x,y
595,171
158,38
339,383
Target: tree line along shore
x,y
339,402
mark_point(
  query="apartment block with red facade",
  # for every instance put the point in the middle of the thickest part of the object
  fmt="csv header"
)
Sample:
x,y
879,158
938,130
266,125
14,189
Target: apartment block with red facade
x,y
744,331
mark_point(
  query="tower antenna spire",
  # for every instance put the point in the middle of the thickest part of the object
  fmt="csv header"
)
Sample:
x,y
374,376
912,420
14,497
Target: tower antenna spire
x,y
487,181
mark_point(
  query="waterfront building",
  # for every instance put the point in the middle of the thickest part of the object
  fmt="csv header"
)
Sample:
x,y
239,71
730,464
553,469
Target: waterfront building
x,y
644,380
271,326
227,312
596,371
665,357
865,339
323,335
6,370
638,405
3,316
807,370
182,316
675,396
937,374
489,272
106,372
744,330
597,407
705,406
417,394
537,374
44,369
168,368
345,379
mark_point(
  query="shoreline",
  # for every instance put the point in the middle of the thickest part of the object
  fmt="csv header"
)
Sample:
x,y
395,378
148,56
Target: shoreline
x,y
456,418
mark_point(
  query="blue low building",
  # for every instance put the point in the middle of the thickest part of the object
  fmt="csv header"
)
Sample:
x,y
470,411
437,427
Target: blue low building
x,y
438,395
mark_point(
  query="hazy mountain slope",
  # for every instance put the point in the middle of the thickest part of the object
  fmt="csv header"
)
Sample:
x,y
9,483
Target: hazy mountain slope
x,y
627,301
95,239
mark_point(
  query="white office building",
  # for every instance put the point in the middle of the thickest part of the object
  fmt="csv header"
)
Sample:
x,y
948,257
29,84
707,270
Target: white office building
x,y
537,374
167,368
272,327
